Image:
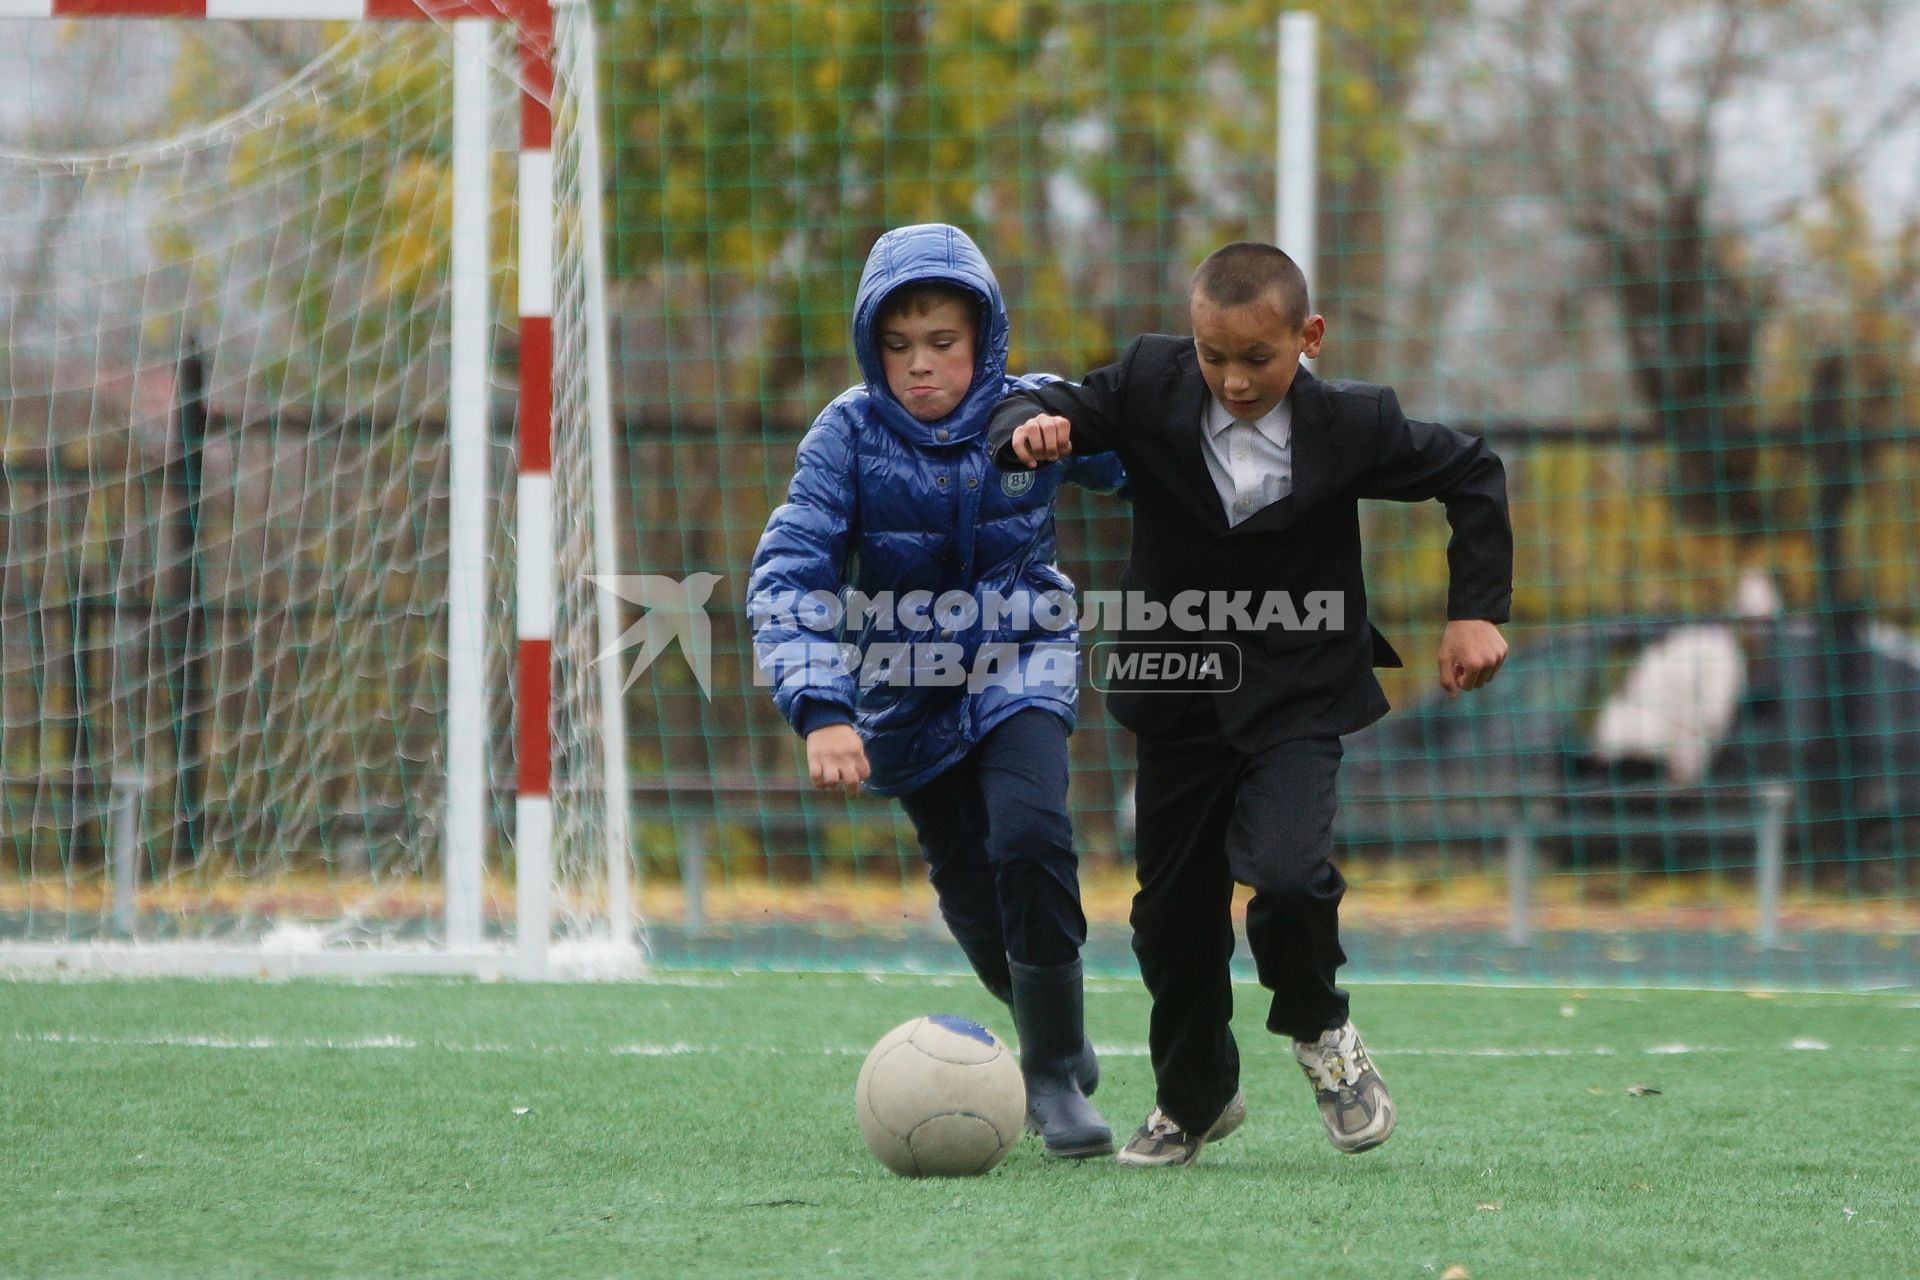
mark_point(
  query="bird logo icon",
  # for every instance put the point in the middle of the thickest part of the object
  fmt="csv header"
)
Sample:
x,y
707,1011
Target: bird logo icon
x,y
676,609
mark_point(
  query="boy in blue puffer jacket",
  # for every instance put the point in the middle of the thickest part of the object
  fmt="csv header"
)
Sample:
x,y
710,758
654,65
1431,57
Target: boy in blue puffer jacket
x,y
957,693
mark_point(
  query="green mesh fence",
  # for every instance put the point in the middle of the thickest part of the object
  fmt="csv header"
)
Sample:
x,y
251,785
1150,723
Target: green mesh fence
x,y
1594,233
1664,257
233,472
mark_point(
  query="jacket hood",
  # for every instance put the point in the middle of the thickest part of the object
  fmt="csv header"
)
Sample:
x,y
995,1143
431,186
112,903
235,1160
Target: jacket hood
x,y
932,251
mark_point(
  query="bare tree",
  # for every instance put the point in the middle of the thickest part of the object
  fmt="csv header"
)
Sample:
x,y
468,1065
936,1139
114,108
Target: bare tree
x,y
1670,157
1625,114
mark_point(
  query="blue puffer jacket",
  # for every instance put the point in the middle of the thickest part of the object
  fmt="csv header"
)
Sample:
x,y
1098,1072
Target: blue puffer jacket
x,y
883,502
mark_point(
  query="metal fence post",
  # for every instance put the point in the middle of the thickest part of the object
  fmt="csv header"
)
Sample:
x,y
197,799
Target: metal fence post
x,y
693,872
1770,849
1519,886
128,788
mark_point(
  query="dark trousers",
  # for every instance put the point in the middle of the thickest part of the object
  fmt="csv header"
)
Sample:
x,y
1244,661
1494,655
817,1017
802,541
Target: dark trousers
x,y
1210,816
999,849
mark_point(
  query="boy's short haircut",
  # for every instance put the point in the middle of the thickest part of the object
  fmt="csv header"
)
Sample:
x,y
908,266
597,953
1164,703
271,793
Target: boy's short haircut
x,y
918,297
1239,273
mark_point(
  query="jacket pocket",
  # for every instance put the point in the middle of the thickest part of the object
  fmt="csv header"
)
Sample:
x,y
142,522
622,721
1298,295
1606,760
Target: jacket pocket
x,y
1277,640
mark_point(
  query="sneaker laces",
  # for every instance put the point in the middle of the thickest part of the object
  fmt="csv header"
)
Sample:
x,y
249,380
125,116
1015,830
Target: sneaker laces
x,y
1162,1126
1328,1063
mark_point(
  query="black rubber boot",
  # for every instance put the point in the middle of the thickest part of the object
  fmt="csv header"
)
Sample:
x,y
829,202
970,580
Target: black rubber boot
x,y
1049,1011
989,961
1086,1067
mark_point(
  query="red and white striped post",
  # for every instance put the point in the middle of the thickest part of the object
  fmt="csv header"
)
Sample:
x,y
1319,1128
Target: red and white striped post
x,y
534,547
532,21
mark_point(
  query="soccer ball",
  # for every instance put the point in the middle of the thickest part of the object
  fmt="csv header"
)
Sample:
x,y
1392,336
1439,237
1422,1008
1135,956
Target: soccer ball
x,y
940,1097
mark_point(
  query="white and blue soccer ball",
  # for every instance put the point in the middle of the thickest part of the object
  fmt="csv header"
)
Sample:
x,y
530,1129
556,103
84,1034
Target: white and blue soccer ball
x,y
940,1097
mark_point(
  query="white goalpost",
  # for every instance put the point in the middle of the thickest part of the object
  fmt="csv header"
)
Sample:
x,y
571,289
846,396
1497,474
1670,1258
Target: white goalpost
x,y
291,679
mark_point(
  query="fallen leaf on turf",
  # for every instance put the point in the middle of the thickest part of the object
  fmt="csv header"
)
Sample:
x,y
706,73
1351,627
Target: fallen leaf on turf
x,y
1642,1186
1641,1091
523,1111
1456,1272
1488,1206
1848,1212
1597,1089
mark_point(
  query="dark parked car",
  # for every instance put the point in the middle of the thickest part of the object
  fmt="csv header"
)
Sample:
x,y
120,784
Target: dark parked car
x,y
1840,731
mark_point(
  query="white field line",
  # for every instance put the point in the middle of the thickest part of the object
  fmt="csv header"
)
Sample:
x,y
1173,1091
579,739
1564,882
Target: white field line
x,y
1779,997
681,1048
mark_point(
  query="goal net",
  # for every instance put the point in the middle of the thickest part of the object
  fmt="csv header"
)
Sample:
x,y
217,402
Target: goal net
x,y
298,624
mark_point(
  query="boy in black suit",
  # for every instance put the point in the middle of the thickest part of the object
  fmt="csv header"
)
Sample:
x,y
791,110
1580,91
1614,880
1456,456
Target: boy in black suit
x,y
1247,474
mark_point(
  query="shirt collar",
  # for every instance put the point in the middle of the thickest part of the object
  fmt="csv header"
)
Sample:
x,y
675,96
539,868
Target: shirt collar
x,y
1276,424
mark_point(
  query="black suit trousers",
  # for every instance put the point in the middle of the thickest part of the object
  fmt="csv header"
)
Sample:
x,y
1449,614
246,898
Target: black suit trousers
x,y
1210,816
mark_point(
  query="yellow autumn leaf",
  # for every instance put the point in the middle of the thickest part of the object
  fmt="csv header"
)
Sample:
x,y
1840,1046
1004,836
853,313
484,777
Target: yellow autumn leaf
x,y
1002,21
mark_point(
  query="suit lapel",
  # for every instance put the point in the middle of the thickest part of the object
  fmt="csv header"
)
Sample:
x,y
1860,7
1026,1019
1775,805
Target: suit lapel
x,y
1312,446
1315,447
1193,479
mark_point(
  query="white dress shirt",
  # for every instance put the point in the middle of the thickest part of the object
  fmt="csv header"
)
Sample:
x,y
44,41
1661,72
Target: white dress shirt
x,y
1251,462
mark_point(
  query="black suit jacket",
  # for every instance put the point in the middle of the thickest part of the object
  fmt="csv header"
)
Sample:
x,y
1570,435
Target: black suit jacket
x,y
1349,441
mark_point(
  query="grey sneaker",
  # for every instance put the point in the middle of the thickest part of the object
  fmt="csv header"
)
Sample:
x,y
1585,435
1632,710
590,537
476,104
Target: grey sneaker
x,y
1354,1104
1161,1140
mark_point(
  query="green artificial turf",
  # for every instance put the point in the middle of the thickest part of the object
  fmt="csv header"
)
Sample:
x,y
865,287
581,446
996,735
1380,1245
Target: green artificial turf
x,y
703,1126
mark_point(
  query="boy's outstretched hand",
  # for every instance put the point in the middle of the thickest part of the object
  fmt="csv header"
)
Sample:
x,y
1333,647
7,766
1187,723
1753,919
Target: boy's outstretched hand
x,y
836,758
1045,437
1470,655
